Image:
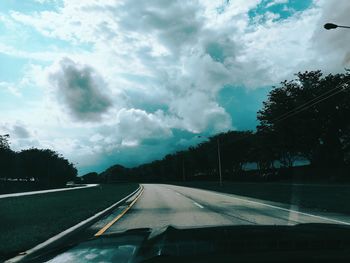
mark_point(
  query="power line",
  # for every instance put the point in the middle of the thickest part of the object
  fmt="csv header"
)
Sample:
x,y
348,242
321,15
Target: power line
x,y
302,107
305,104
313,104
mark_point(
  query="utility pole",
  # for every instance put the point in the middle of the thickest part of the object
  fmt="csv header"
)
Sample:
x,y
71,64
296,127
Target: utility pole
x,y
219,157
219,160
183,170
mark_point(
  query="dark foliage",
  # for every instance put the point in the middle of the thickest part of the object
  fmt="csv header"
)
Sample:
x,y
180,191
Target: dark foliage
x,y
307,118
41,167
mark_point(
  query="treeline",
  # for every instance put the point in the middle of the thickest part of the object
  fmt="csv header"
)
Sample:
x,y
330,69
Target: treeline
x,y
306,119
41,167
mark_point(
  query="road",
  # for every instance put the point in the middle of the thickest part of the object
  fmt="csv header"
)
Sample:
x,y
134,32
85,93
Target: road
x,y
163,205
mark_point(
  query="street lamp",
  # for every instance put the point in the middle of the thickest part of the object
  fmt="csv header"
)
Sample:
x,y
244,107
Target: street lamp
x,y
330,26
219,157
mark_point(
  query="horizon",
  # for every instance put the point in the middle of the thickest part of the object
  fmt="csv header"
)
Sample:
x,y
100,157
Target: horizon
x,y
124,83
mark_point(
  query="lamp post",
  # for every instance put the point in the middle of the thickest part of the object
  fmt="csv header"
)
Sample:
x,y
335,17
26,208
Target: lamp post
x,y
219,157
330,26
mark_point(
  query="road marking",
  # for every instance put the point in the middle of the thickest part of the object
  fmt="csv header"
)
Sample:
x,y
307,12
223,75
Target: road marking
x,y
195,203
200,206
280,208
102,230
47,191
289,210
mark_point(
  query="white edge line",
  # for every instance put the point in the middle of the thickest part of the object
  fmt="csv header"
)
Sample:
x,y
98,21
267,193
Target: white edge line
x,y
289,210
47,191
273,206
200,206
71,229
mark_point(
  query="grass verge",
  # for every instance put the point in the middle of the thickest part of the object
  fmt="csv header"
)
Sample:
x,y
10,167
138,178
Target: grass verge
x,y
320,197
29,220
18,187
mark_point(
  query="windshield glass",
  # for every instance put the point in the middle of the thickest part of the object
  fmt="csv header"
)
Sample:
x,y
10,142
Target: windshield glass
x,y
119,115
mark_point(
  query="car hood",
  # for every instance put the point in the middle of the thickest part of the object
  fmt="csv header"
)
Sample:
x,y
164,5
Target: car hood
x,y
207,243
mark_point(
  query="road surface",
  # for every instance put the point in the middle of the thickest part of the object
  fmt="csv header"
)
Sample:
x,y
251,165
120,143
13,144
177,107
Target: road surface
x,y
163,205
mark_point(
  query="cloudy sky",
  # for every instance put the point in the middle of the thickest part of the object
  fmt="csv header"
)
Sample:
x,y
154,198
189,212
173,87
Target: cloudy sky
x,y
128,81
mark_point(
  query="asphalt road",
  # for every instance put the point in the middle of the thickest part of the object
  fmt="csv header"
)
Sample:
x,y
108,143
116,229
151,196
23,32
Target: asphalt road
x,y
163,205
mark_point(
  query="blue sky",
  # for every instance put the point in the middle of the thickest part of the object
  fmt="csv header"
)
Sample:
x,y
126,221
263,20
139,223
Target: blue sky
x,y
127,82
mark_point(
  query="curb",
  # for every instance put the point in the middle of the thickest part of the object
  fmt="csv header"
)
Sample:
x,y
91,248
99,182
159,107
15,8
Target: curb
x,y
47,191
71,231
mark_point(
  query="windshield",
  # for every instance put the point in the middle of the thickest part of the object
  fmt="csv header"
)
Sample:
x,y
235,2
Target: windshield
x,y
119,115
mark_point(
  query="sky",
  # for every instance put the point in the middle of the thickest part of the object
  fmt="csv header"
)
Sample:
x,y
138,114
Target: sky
x,y
126,81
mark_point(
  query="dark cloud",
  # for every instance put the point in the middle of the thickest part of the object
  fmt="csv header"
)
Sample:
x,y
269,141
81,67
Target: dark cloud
x,y
17,130
176,24
20,132
173,61
79,88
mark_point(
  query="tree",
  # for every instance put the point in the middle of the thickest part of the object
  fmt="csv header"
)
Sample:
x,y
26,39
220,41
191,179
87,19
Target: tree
x,y
92,178
45,167
309,117
7,158
4,142
235,150
263,151
304,118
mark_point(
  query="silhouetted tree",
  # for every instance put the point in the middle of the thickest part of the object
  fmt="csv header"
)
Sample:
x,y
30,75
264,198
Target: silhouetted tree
x,y
309,117
45,167
304,118
92,178
6,158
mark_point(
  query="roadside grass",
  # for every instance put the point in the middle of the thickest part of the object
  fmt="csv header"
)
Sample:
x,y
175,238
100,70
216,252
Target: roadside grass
x,y
320,197
29,220
16,187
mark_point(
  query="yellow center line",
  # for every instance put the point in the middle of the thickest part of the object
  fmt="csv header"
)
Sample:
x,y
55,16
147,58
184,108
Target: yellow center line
x,y
102,230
